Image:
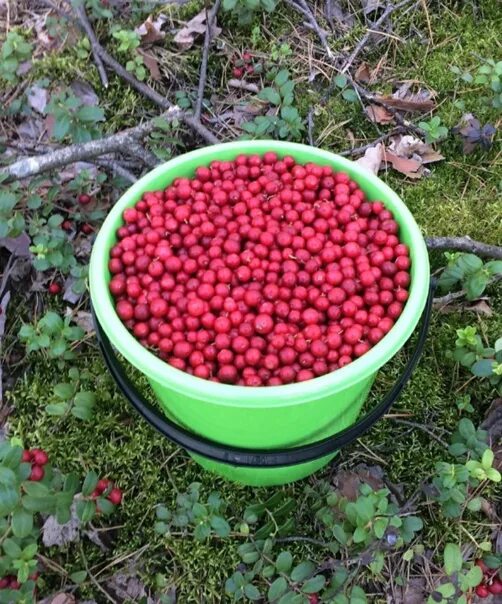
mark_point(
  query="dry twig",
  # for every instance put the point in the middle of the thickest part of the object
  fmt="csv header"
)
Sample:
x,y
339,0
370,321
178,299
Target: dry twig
x,y
89,32
31,166
210,18
464,244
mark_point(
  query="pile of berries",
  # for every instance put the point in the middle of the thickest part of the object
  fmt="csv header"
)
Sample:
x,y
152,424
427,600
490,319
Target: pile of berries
x,y
259,271
38,459
9,582
105,488
244,66
491,584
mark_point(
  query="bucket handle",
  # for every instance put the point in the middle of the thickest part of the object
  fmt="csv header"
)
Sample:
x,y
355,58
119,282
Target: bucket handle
x,y
260,458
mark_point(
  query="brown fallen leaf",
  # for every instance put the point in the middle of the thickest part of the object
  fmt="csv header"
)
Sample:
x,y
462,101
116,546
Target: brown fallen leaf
x,y
408,167
151,62
37,98
150,30
194,28
372,158
243,85
363,73
378,114
481,308
348,482
421,106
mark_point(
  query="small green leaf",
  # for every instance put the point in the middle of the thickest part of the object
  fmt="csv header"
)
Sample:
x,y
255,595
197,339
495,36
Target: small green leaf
x,y
277,589
487,459
22,523
35,489
220,526
64,391
12,549
57,409
7,476
284,562
90,482
90,113
105,506
281,78
84,413
79,576
452,558
303,571
350,95
86,509
314,585
271,95
474,576
251,592
38,504
483,368
340,80
476,285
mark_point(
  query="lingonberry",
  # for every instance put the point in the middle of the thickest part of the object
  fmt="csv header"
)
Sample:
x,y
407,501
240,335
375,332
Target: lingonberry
x,y
27,456
37,473
259,271
83,199
115,496
482,591
40,458
54,288
495,587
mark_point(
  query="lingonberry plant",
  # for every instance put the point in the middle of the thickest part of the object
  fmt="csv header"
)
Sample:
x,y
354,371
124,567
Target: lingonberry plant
x,y
346,90
245,10
31,488
205,519
50,244
15,50
52,336
434,131
12,222
128,43
489,76
71,397
74,119
470,272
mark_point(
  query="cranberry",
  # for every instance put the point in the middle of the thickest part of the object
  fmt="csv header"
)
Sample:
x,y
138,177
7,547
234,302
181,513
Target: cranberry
x,y
83,199
37,473
482,591
115,496
27,456
40,458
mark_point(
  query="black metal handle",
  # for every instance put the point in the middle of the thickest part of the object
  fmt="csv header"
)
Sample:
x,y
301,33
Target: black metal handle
x,y
269,458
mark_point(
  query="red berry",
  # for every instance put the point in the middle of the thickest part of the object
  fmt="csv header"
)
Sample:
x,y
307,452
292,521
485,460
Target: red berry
x,y
238,72
495,587
37,473
4,582
102,485
54,288
40,458
479,562
246,57
87,228
15,584
482,591
27,456
84,199
66,225
115,496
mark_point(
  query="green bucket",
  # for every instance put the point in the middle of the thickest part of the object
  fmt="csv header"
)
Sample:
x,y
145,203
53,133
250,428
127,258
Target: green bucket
x,y
268,435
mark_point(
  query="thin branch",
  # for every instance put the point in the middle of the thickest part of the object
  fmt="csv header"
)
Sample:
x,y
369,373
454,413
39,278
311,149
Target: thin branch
x,y
304,9
210,19
296,538
151,94
424,429
148,158
380,139
89,32
364,40
31,166
464,244
115,167
443,301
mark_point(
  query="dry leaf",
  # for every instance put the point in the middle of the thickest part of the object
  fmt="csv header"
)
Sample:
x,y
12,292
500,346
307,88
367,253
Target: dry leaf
x,y
37,98
348,482
54,533
195,27
378,114
404,100
63,598
243,85
17,246
363,73
83,319
32,129
85,92
151,62
409,155
409,167
372,158
482,308
150,30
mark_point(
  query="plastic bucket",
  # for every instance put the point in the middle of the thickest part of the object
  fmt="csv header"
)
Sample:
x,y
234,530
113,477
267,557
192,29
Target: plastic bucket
x,y
268,435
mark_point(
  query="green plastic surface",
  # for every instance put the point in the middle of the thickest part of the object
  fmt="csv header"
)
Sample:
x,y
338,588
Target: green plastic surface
x,y
265,417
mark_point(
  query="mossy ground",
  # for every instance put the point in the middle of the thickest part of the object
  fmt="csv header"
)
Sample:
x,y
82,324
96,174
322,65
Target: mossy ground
x,y
461,196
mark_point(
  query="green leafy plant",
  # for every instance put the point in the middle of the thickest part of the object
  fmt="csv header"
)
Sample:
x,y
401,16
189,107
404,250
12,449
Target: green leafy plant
x,y
434,132
467,440
271,517
23,499
128,43
205,518
464,404
460,581
12,221
371,519
50,244
348,92
484,362
15,50
489,75
98,9
74,119
71,397
245,10
470,272
286,123
52,336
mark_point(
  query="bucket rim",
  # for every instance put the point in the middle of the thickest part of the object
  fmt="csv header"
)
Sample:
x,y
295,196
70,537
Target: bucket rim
x,y
247,396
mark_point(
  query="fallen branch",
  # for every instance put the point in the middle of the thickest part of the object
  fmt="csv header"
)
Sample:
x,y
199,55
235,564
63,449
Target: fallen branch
x,y
116,168
31,166
443,301
148,158
304,9
210,17
151,94
89,32
425,429
364,40
464,244
380,139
